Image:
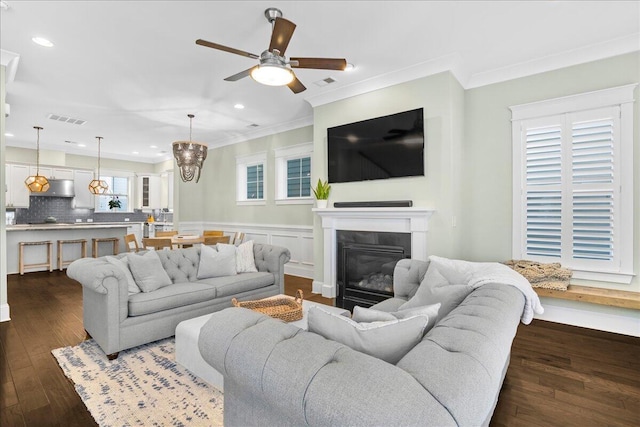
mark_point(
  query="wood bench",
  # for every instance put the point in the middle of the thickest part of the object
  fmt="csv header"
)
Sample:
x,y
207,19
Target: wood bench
x,y
610,297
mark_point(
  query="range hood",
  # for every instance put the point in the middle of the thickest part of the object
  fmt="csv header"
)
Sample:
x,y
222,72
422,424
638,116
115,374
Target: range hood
x,y
58,188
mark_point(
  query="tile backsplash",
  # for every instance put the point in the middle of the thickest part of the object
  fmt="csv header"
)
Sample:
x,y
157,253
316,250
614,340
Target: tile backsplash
x,y
62,209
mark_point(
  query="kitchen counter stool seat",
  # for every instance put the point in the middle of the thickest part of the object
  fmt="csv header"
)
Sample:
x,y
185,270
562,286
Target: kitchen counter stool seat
x,y
96,240
49,262
61,261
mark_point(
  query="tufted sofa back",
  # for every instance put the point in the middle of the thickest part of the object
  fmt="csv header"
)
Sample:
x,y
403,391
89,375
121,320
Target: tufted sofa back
x,y
407,277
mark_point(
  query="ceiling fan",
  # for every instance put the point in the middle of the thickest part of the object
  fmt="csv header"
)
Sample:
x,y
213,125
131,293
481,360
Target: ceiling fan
x,y
274,69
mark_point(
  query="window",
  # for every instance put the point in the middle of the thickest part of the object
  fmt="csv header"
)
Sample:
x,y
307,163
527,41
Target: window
x,y
573,174
250,179
118,187
293,174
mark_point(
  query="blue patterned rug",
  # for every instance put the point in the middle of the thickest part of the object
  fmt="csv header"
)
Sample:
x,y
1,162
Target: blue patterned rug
x,y
144,386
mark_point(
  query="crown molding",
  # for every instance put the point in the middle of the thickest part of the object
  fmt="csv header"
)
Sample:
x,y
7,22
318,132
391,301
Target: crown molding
x,y
266,131
9,60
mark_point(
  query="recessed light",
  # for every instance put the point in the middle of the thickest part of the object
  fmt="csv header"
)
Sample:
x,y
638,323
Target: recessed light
x,y
8,134
349,67
42,41
153,146
82,145
238,106
134,152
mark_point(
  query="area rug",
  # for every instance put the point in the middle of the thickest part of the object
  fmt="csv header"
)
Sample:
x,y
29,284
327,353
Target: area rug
x,y
144,386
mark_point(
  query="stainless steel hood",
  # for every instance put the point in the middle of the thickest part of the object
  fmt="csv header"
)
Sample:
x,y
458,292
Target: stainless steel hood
x,y
58,188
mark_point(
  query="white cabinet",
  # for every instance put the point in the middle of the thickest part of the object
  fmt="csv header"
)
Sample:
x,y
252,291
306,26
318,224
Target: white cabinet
x,y
166,194
50,172
149,192
17,193
83,199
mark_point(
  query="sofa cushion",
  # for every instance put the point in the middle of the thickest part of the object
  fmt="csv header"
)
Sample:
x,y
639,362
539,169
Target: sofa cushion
x,y
361,314
182,264
388,341
232,285
123,265
148,272
245,261
217,262
168,297
436,288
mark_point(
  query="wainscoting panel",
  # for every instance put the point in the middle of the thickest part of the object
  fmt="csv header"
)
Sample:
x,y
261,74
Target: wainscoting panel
x,y
298,239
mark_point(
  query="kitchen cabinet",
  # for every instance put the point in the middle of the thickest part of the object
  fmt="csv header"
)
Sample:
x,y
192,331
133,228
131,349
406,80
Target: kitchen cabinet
x,y
166,200
51,172
149,192
16,192
84,198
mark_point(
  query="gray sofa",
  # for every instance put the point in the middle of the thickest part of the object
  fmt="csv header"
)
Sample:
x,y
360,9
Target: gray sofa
x,y
277,374
118,320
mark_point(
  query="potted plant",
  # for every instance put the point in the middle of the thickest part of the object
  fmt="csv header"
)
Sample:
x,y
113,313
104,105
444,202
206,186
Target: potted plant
x,y
321,192
115,203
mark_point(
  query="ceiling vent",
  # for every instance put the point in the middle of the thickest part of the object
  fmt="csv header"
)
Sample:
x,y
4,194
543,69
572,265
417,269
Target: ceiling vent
x,y
65,119
253,125
325,82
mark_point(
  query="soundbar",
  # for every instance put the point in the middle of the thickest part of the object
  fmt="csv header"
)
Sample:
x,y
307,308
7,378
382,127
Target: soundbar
x,y
382,204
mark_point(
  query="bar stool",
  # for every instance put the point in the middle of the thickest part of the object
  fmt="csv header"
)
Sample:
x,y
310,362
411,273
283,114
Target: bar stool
x,y
49,262
96,240
61,261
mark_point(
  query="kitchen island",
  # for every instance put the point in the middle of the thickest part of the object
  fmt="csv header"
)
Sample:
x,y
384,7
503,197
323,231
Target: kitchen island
x,y
56,231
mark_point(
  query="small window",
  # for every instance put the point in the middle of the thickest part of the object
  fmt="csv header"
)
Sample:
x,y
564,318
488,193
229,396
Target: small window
x,y
293,174
118,188
250,179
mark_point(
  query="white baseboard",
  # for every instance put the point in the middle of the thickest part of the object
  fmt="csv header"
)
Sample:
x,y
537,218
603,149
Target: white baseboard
x,y
585,315
327,291
4,313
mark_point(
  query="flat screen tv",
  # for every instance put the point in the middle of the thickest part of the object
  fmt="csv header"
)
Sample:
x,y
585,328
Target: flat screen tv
x,y
384,147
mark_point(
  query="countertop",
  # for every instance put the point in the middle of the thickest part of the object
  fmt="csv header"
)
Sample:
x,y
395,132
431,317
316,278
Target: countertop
x,y
69,226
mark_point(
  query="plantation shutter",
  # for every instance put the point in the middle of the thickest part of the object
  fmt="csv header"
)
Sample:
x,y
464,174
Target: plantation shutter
x,y
571,189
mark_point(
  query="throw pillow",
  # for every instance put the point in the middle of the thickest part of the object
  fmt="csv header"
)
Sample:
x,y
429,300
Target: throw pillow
x,y
148,272
388,341
435,288
217,262
123,265
245,261
362,314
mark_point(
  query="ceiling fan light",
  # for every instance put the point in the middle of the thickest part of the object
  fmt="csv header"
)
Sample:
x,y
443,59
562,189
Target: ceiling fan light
x,y
272,75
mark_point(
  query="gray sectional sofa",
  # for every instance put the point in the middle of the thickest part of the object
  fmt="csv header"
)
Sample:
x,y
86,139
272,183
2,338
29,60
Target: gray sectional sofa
x,y
119,320
277,374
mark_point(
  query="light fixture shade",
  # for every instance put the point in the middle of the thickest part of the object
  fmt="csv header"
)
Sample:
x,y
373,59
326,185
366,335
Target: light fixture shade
x,y
98,186
37,183
190,156
272,75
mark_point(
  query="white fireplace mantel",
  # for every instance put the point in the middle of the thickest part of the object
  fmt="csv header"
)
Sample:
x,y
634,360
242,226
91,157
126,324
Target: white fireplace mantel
x,y
396,220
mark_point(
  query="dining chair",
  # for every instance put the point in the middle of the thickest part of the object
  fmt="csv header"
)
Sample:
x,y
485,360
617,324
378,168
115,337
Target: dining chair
x,y
213,233
157,243
212,240
238,238
166,233
131,243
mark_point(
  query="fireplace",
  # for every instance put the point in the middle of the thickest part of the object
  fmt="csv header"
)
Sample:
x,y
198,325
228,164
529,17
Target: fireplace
x,y
413,221
365,263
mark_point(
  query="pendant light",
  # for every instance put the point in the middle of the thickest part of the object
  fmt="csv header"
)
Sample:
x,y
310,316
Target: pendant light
x,y
189,156
98,186
37,183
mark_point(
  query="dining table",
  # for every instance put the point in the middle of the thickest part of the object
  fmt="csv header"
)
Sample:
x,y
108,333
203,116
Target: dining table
x,y
180,240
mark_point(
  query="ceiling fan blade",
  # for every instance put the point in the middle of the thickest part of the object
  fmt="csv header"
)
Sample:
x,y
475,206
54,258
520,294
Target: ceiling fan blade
x,y
296,85
282,32
226,49
319,63
240,75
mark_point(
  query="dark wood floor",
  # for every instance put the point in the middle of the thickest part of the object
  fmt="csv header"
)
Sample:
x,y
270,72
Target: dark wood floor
x,y
559,375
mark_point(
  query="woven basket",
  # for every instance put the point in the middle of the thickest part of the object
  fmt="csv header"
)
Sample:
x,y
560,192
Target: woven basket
x,y
286,309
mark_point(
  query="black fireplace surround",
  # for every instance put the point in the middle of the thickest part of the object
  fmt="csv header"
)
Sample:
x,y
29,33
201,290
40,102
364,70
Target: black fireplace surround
x,y
365,264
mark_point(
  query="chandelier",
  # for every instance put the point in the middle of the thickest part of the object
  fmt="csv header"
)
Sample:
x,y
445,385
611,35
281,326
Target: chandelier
x,y
190,156
97,185
37,183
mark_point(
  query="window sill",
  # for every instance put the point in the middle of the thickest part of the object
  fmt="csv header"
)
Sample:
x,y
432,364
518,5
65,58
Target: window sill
x,y
610,297
294,201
